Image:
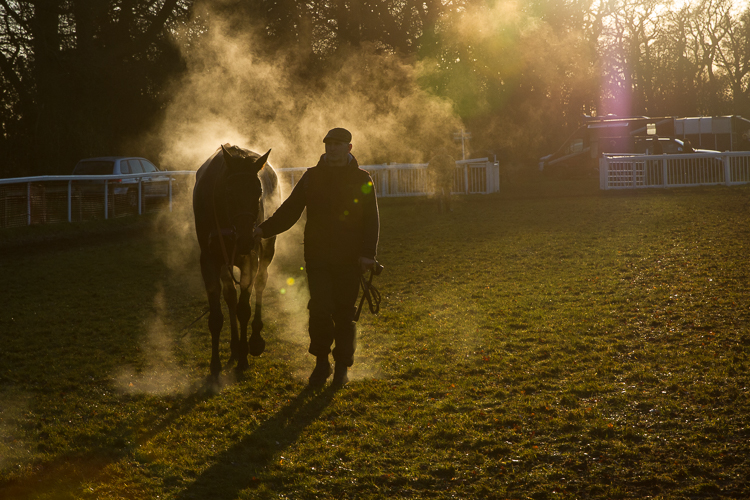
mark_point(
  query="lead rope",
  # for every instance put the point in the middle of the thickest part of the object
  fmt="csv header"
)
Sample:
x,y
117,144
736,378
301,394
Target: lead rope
x,y
186,331
371,294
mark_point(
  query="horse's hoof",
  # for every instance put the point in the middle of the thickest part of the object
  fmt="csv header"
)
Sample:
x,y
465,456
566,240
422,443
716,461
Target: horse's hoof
x,y
215,369
235,351
256,345
242,365
213,385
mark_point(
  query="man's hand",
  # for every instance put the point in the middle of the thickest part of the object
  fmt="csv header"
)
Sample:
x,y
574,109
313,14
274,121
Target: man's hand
x,y
257,235
366,264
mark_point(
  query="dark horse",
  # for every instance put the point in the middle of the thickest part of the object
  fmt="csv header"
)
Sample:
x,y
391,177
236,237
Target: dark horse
x,y
234,190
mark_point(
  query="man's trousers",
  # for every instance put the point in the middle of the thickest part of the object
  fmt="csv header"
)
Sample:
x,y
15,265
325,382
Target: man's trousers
x,y
334,288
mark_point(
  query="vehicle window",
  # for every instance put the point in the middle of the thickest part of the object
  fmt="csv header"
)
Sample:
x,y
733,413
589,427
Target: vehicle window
x,y
124,167
576,145
669,147
135,167
94,168
148,166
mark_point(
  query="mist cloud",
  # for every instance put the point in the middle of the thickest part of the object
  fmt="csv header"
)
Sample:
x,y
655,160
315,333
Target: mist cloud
x,y
160,372
233,94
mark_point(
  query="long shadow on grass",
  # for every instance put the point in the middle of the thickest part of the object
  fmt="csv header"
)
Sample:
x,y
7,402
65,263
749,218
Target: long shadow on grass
x,y
62,477
236,469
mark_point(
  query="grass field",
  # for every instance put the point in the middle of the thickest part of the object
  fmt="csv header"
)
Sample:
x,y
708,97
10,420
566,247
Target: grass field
x,y
550,341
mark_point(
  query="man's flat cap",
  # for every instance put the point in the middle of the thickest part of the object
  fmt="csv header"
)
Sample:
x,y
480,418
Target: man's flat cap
x,y
338,134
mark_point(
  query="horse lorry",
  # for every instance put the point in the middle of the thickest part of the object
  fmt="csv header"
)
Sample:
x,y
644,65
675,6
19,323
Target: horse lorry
x,y
610,134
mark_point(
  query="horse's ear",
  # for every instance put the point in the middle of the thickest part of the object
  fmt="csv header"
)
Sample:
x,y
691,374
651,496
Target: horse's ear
x,y
262,160
227,155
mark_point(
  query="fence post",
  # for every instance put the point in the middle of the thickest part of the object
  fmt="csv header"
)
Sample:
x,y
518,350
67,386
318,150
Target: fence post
x,y
28,203
664,172
466,177
603,172
70,201
727,170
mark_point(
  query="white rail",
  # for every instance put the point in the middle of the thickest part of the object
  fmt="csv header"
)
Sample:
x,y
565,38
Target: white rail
x,y
71,198
68,198
475,176
674,170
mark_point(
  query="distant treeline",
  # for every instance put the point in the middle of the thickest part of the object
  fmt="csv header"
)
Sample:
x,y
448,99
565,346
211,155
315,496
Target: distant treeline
x,y
84,78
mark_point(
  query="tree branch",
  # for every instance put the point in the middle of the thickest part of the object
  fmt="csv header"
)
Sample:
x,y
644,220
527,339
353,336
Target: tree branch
x,y
147,38
14,15
9,74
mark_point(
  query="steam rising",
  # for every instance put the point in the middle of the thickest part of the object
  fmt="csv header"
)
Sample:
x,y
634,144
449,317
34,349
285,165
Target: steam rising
x,y
232,94
161,373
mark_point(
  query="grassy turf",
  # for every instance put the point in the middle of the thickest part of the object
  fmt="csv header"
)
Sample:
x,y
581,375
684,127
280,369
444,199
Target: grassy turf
x,y
549,341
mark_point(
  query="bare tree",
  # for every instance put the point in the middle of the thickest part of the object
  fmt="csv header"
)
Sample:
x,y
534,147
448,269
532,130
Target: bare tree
x,y
81,75
733,57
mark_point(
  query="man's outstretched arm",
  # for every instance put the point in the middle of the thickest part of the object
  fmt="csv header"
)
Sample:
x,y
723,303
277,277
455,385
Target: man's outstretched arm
x,y
286,215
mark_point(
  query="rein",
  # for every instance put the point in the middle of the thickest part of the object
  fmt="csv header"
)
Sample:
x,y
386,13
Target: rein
x,y
370,293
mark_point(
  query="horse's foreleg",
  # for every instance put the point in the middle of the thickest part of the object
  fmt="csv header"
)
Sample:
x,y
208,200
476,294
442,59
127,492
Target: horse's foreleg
x,y
243,305
210,274
257,344
215,322
261,279
230,297
243,315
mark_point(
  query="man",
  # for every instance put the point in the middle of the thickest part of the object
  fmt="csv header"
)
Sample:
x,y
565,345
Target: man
x,y
341,239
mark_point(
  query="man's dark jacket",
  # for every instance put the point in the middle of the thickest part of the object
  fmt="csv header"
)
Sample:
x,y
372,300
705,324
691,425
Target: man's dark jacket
x,y
342,213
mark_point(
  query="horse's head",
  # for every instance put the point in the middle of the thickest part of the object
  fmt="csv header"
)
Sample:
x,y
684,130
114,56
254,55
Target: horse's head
x,y
242,193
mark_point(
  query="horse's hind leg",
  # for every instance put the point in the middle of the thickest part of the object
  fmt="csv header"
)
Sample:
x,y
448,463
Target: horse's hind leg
x,y
257,344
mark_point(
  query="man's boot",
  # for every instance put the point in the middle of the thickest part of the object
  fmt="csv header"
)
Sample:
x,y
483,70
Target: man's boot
x,y
321,372
340,376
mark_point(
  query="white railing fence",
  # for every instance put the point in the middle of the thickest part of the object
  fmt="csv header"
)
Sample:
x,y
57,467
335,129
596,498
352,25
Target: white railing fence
x,y
67,198
674,170
475,176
